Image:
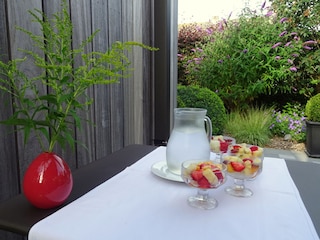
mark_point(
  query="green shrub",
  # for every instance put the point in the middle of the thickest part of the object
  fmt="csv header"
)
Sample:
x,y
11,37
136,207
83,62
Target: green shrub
x,y
313,108
196,97
251,126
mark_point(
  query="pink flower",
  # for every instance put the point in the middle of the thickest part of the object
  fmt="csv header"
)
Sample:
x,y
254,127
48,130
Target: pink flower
x,y
282,20
276,45
307,47
287,44
283,33
269,14
310,42
293,69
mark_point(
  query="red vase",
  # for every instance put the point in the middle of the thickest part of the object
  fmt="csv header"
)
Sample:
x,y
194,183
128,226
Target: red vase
x,y
48,181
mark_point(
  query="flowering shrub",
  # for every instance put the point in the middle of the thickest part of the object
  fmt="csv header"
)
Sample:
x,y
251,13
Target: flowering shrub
x,y
189,36
290,120
255,55
304,16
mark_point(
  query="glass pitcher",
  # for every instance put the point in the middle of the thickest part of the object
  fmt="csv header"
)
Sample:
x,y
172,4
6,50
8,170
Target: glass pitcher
x,y
189,139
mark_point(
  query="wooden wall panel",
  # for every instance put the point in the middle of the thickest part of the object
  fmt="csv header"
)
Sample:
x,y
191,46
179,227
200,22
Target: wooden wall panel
x,y
121,112
18,16
9,182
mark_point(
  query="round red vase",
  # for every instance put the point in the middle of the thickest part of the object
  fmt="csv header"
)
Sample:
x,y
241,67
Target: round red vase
x,y
48,181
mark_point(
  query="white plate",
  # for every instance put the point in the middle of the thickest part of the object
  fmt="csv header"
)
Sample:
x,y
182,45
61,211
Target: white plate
x,y
161,170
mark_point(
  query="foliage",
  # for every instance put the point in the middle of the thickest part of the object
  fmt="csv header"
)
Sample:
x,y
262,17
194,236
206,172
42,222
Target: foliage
x,y
304,17
250,126
197,97
254,55
189,36
53,115
313,108
291,120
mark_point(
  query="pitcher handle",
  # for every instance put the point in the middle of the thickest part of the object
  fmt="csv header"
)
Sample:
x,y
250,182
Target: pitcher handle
x,y
208,124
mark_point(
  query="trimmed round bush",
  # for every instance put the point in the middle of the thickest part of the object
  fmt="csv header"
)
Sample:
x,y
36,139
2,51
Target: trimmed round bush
x,y
313,108
193,96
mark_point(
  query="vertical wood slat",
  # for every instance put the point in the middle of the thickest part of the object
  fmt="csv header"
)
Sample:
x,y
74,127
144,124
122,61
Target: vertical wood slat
x,y
118,111
100,16
148,70
138,64
82,30
127,19
18,16
116,94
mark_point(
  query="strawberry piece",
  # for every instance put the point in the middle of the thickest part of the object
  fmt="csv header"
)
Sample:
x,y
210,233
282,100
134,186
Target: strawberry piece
x,y
203,183
224,147
237,166
203,165
196,175
235,149
247,159
254,148
218,173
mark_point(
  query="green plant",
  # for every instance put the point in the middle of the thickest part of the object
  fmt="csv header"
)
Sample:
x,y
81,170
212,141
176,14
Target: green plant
x,y
301,14
197,97
303,17
290,120
254,55
189,36
313,108
53,114
251,126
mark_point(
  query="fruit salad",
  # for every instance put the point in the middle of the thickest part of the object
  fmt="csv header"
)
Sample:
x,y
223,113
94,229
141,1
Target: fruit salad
x,y
246,151
243,161
205,174
220,143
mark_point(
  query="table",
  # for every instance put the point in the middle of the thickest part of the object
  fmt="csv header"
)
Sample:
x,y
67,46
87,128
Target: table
x,y
18,216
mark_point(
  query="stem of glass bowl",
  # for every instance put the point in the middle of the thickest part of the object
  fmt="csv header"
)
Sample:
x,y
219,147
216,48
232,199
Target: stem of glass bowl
x,y
203,194
239,184
238,189
202,200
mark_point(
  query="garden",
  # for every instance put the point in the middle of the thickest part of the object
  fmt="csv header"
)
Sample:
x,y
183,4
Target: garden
x,y
255,74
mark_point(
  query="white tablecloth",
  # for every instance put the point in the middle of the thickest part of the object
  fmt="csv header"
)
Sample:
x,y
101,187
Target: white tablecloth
x,y
136,204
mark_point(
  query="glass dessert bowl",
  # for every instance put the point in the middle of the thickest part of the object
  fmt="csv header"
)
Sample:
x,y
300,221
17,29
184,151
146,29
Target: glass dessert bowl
x,y
244,162
203,175
220,144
